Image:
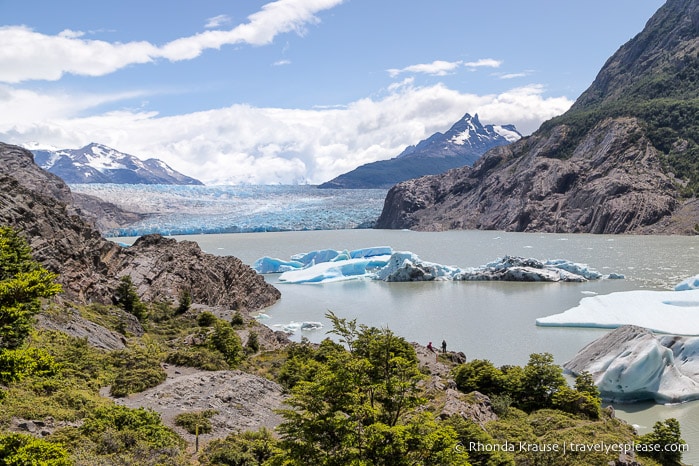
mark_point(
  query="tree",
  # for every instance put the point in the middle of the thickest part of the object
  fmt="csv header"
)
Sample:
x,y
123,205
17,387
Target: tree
x,y
665,444
226,340
479,375
23,283
127,298
358,406
184,303
540,381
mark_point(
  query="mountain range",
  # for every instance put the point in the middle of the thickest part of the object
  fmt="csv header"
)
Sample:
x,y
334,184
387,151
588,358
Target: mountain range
x,y
462,144
97,163
623,159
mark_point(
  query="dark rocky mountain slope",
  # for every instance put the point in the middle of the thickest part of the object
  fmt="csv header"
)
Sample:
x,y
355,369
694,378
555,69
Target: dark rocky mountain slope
x,y
36,203
464,143
623,159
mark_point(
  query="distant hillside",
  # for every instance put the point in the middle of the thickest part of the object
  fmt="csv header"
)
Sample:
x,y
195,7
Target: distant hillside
x,y
623,159
462,145
96,163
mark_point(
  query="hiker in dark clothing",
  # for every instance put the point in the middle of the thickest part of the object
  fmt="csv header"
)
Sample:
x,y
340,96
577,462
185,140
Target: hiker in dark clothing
x,y
444,346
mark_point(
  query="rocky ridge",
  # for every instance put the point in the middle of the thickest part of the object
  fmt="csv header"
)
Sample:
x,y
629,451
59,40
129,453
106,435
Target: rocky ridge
x,y
596,169
613,183
36,203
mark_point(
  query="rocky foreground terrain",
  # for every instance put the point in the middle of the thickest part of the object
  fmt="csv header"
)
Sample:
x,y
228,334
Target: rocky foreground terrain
x,y
37,203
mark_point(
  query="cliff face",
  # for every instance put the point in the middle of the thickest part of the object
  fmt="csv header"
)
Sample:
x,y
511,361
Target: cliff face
x,y
613,183
615,163
34,202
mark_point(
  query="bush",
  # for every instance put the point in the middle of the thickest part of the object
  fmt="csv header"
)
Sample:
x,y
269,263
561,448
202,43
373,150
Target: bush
x,y
200,357
136,380
196,422
22,449
206,319
127,298
252,346
479,375
185,302
226,340
237,319
244,449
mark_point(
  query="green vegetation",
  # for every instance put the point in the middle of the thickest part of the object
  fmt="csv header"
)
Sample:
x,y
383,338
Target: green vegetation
x,y
666,103
127,298
196,422
360,401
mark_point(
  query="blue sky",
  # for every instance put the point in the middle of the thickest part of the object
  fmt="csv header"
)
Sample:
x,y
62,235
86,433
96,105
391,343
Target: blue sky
x,y
292,91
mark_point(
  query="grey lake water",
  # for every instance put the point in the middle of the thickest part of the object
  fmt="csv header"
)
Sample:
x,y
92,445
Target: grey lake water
x,y
487,320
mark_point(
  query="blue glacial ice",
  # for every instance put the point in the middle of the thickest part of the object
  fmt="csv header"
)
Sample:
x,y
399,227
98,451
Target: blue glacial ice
x,y
184,210
673,312
632,364
691,283
382,263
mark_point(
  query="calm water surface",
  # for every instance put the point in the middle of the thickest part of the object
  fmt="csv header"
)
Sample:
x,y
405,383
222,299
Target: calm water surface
x,y
493,320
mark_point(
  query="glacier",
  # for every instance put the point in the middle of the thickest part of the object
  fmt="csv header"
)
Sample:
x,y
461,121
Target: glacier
x,y
385,264
631,364
671,312
187,210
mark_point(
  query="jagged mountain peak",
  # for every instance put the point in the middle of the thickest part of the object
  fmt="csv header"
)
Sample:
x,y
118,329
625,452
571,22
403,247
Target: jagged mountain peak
x,y
98,163
462,144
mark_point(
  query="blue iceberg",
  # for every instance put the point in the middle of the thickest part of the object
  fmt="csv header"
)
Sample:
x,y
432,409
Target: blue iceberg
x,y
382,263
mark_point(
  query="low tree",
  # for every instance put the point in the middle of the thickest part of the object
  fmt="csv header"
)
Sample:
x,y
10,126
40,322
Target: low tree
x,y
23,283
127,298
185,302
665,444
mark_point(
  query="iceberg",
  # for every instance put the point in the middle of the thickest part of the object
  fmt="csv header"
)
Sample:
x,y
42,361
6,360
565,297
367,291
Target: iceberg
x,y
672,312
293,326
382,263
691,283
335,271
271,265
632,364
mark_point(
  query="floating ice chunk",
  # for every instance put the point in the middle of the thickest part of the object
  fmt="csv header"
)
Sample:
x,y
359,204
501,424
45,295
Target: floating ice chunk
x,y
661,311
572,267
335,271
632,364
262,316
408,267
691,283
293,326
272,265
371,252
315,257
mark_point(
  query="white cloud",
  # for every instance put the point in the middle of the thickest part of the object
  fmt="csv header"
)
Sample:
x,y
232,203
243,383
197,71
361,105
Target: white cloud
x,y
281,63
29,55
436,68
241,143
484,63
217,21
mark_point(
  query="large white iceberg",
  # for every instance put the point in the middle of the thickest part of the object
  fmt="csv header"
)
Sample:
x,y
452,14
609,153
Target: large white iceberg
x,y
382,263
673,312
631,364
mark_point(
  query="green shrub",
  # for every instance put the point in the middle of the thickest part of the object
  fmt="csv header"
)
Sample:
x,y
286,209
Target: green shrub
x,y
136,380
196,422
252,345
244,449
237,320
127,298
26,450
184,303
200,357
225,340
206,319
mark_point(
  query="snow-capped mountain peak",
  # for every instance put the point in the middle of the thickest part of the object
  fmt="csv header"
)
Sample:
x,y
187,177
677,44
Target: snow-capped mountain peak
x,y
97,163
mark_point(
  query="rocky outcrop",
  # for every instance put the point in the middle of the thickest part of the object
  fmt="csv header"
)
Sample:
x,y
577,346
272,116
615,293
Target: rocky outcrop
x,y
613,183
36,203
242,401
598,168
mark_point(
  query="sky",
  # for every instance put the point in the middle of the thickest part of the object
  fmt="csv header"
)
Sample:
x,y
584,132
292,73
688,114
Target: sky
x,y
292,91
